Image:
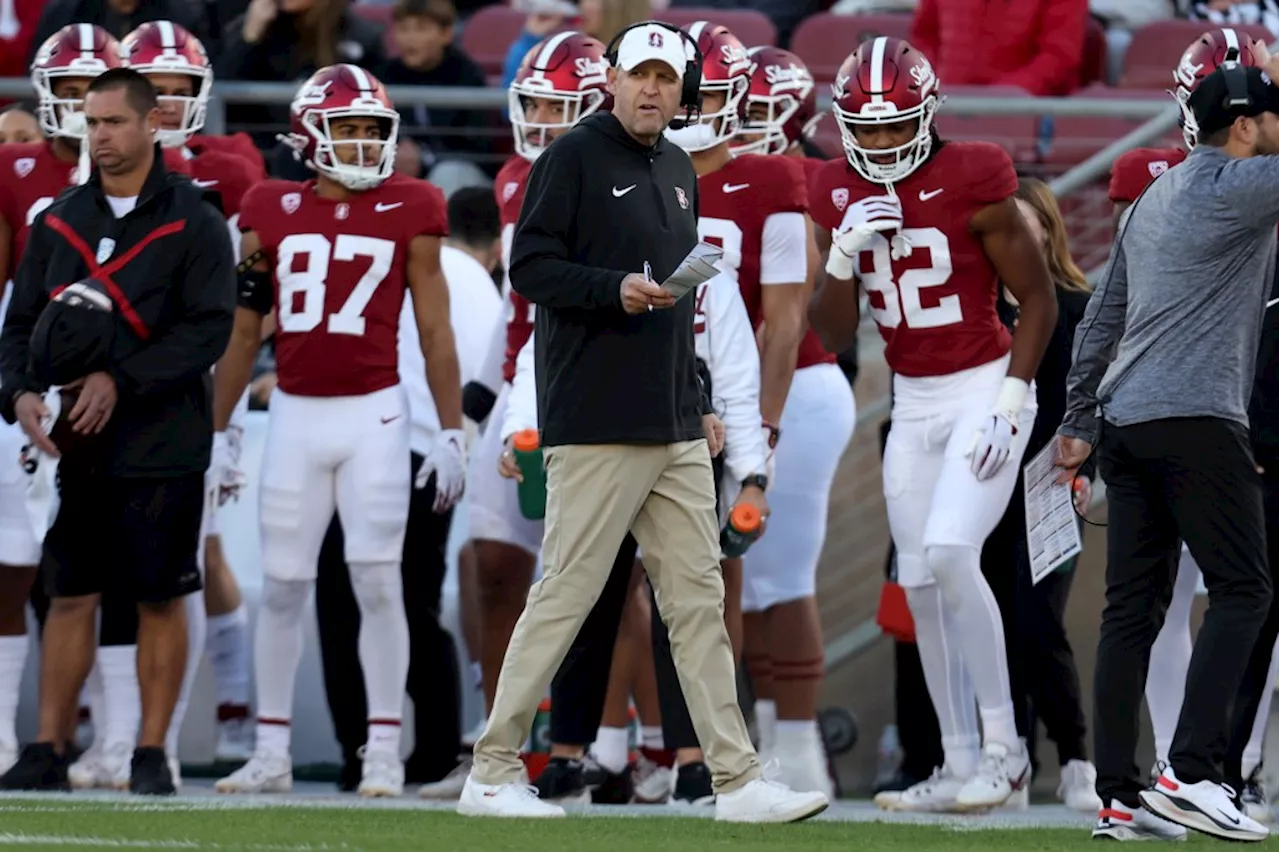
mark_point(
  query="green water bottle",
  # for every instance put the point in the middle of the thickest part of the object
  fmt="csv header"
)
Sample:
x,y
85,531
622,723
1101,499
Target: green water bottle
x,y
532,491
741,530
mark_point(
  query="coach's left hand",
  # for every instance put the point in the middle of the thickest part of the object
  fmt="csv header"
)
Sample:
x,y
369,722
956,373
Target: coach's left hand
x,y
95,404
713,431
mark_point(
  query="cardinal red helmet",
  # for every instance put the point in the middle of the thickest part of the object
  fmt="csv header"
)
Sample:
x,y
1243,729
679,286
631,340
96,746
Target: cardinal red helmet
x,y
561,81
1200,60
330,95
81,51
726,71
782,103
886,81
163,47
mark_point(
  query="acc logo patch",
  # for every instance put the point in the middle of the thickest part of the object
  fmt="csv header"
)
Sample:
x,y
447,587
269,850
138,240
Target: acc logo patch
x,y
840,198
24,167
1158,167
682,198
290,202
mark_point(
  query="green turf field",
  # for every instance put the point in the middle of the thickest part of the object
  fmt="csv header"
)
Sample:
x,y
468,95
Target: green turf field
x,y
46,824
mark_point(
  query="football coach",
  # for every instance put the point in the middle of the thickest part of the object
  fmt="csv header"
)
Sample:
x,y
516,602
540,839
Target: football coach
x,y
1163,368
124,296
627,429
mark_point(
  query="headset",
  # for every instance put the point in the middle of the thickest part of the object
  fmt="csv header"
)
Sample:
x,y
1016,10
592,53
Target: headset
x,y
691,91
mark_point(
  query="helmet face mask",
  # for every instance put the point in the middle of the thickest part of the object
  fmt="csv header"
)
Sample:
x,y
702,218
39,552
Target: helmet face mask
x,y
562,80
77,52
163,49
332,114
780,109
726,76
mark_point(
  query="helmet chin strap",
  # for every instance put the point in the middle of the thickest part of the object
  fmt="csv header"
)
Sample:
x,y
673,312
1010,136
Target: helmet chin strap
x,y
899,244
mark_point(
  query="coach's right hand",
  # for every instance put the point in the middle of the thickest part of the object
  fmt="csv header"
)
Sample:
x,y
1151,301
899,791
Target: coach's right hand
x,y
31,411
640,295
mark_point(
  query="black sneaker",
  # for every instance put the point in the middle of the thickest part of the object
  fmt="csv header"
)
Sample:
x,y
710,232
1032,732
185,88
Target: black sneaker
x,y
39,767
562,781
693,785
615,788
149,773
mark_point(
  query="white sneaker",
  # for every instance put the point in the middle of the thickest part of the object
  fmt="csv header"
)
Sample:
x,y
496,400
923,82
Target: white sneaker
x,y
768,801
235,740
653,783
1000,772
102,768
934,795
8,756
504,800
1203,806
1019,801
448,788
264,773
1120,823
175,772
804,771
381,775
1076,787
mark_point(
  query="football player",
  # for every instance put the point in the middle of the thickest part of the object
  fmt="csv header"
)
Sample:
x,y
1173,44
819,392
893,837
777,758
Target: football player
x,y
1171,653
929,230
756,208
179,68
31,177
561,81
333,257
781,112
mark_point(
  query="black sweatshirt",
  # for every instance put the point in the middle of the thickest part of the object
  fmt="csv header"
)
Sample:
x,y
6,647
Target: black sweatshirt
x,y
173,283
598,205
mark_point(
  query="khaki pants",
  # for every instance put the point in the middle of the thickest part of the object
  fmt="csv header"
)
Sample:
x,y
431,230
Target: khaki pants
x,y
663,494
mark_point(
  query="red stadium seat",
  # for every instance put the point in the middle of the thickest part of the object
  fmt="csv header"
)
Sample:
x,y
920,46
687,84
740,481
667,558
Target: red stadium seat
x,y
824,40
488,35
752,28
380,17
1156,49
1075,139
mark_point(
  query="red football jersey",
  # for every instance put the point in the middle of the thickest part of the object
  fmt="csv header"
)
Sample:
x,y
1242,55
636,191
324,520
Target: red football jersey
x,y
936,308
238,144
1131,173
340,272
31,177
812,165
226,174
734,203
509,188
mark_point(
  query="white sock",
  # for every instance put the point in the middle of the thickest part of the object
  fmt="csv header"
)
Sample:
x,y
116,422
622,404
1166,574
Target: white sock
x,y
227,643
384,736
13,659
978,632
1171,658
945,675
1251,759
766,720
794,735
196,624
651,737
384,638
610,748
277,651
119,667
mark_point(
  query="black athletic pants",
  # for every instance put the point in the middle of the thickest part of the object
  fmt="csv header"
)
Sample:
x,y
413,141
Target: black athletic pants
x,y
433,663
1192,478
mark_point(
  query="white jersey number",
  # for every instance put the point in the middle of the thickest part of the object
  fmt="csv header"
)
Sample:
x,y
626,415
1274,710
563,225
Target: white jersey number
x,y
902,297
310,280
726,234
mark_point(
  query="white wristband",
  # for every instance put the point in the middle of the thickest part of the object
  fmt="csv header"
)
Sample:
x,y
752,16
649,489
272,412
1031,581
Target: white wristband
x,y
220,443
1013,396
839,264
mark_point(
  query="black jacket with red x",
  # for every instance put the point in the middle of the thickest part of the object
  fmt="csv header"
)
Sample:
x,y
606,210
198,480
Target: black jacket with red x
x,y
169,269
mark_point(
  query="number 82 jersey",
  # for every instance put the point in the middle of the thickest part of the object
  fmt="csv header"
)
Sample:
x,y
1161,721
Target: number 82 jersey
x,y
936,308
340,274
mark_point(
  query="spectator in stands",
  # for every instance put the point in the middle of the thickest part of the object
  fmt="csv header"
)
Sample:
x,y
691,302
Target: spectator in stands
x,y
17,126
18,24
119,17
424,31
1033,45
597,18
1122,18
1233,13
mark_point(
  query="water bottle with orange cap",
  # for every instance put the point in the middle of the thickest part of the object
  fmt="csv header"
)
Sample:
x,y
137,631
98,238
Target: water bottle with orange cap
x,y
741,530
532,488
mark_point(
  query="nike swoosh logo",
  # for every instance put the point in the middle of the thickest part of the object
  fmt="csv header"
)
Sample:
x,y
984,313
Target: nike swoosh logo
x,y
618,193
1228,817
383,208
925,196
734,187
386,420
204,184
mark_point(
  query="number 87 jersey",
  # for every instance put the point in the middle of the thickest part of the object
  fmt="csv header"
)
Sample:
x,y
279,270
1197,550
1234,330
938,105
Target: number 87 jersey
x,y
339,270
936,307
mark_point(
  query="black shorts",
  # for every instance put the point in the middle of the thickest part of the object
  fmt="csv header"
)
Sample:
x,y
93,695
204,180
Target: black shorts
x,y
135,536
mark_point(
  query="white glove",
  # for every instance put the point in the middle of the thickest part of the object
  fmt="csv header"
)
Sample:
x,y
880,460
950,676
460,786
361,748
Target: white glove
x,y
447,460
992,441
224,478
862,220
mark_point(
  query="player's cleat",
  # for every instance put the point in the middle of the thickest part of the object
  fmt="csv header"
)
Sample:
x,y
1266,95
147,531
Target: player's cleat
x,y
264,773
382,774
562,780
1076,787
934,795
38,767
1203,806
768,801
102,768
1120,823
448,788
149,773
1019,801
235,738
653,779
504,800
1000,773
